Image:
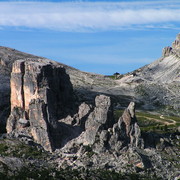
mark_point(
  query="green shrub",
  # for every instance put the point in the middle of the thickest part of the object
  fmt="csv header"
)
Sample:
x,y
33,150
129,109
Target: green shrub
x,y
3,148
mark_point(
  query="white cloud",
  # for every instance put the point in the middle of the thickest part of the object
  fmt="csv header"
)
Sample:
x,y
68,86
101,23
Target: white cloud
x,y
86,16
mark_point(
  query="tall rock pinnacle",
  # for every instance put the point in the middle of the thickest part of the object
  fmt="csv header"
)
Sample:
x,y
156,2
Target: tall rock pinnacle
x,y
174,50
39,92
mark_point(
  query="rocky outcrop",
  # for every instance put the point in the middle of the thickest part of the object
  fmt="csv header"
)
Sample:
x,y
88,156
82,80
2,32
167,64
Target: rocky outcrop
x,y
7,57
41,104
85,126
167,51
40,95
102,133
100,119
176,43
106,144
174,50
129,121
126,131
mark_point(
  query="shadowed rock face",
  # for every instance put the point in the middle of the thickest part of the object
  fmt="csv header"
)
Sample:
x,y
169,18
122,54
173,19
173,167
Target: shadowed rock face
x,y
41,104
41,94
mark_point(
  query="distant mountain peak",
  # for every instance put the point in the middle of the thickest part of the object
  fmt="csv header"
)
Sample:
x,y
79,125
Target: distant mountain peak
x,y
174,50
176,43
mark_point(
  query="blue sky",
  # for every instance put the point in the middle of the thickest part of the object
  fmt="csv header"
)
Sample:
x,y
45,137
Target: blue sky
x,y
94,36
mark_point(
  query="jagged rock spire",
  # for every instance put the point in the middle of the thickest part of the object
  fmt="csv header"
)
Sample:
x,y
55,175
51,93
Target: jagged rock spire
x,y
127,130
40,93
174,50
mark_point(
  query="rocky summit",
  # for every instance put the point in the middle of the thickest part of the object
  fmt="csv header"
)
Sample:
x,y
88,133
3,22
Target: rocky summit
x,y
62,123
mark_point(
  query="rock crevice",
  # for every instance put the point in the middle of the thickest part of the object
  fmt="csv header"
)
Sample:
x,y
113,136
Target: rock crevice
x,y
40,94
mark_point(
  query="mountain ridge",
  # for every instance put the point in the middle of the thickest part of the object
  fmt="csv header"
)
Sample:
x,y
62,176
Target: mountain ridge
x,y
74,116
164,71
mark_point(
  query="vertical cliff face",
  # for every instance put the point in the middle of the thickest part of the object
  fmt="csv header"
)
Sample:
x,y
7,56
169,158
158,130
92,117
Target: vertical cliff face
x,y
40,95
7,57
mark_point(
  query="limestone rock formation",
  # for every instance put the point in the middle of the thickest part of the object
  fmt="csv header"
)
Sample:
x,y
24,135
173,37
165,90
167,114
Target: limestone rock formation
x,y
83,131
87,124
100,119
176,45
174,50
126,130
7,57
40,95
158,80
102,133
167,51
41,105
159,89
132,129
105,143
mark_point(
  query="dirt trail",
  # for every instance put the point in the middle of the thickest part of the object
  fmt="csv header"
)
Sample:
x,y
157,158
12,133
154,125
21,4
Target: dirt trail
x,y
164,121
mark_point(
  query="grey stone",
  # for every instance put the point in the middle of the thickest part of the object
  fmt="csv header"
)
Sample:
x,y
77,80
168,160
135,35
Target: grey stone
x,y
100,119
13,163
126,130
104,135
167,51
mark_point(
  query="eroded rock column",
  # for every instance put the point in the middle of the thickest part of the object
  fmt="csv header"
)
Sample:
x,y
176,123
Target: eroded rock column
x,y
126,130
40,95
100,119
